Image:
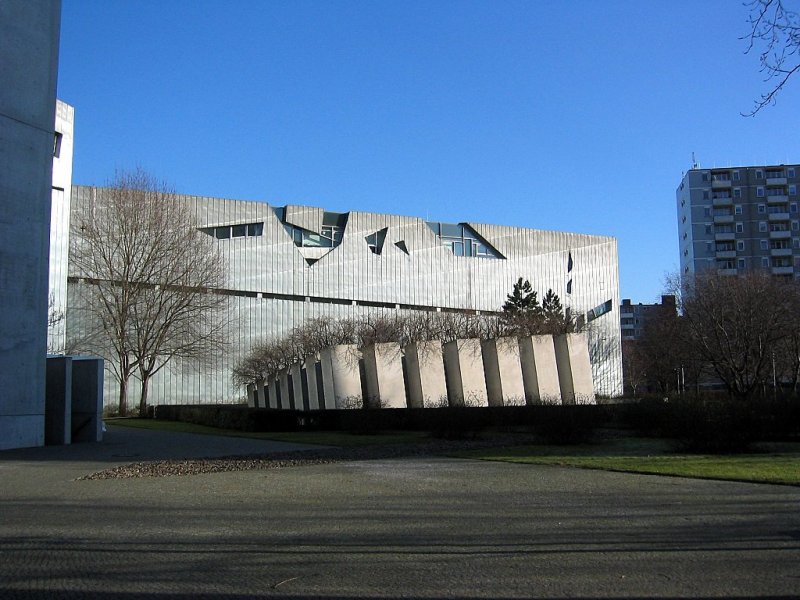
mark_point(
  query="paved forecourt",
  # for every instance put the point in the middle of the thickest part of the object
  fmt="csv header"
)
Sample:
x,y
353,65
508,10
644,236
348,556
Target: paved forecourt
x,y
424,528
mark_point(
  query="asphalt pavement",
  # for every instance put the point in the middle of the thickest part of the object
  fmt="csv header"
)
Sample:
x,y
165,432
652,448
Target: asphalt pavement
x,y
402,528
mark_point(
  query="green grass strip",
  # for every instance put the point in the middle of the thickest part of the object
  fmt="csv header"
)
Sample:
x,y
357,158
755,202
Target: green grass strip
x,y
778,468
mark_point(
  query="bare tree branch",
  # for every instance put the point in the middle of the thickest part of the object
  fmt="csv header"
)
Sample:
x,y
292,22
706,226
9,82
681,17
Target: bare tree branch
x,y
776,30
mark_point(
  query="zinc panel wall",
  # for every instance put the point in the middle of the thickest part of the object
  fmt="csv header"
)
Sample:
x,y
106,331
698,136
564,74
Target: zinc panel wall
x,y
429,276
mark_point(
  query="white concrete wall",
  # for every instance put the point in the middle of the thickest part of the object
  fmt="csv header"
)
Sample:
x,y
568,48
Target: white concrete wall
x,y
29,36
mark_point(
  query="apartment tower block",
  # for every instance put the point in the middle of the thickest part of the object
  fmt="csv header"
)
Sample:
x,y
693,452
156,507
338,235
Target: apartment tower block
x,y
735,219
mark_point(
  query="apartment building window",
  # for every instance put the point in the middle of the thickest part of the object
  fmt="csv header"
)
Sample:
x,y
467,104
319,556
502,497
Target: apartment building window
x,y
795,225
740,246
796,242
741,263
739,228
736,175
792,190
790,172
705,194
760,192
737,210
759,174
708,228
704,176
793,207
762,208
764,261
737,192
707,211
764,244
762,226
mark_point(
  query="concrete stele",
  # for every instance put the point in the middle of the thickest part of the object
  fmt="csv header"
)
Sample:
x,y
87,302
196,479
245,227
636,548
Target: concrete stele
x,y
285,396
425,370
272,394
341,379
539,369
297,386
310,368
261,395
251,395
503,371
383,370
574,368
466,382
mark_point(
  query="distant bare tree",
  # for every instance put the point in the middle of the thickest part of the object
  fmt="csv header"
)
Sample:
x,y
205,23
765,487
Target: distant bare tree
x,y
736,325
152,278
775,32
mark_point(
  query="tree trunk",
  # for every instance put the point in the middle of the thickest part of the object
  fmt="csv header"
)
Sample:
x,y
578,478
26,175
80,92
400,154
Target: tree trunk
x,y
143,400
123,396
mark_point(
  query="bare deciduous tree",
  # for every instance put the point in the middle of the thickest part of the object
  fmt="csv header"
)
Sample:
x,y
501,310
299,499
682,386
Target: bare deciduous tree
x,y
150,276
775,32
737,324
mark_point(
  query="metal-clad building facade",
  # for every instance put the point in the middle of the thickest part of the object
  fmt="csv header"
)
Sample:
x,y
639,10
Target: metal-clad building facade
x,y
281,273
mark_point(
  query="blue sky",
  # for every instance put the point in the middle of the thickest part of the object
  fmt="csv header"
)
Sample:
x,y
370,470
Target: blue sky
x,y
577,116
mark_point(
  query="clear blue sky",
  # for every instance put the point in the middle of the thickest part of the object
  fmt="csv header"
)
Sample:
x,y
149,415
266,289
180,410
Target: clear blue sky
x,y
577,116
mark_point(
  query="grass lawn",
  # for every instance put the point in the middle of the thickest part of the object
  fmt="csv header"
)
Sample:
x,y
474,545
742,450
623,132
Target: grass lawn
x,y
325,438
773,464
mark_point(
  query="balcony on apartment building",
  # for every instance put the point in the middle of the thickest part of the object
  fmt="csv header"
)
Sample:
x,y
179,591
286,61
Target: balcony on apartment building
x,y
783,270
778,213
775,177
780,251
777,195
724,236
721,199
723,215
721,180
779,231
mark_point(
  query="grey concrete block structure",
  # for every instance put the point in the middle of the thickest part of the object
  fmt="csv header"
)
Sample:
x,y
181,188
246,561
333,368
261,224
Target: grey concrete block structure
x,y
29,37
87,399
288,264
